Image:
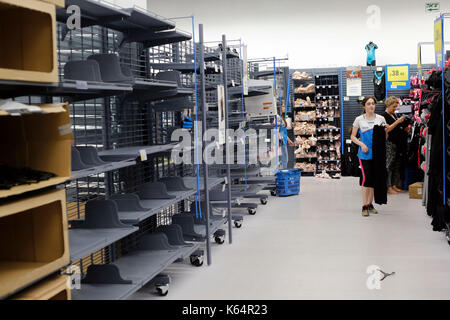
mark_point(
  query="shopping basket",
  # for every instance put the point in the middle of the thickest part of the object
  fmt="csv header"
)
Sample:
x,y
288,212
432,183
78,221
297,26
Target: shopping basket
x,y
287,182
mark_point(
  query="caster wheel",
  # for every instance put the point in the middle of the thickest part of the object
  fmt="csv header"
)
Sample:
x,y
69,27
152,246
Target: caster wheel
x,y
219,240
238,224
197,261
273,193
162,291
252,211
263,201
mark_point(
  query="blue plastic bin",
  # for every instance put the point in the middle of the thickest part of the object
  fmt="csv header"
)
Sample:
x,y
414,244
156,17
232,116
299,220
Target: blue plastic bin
x,y
287,182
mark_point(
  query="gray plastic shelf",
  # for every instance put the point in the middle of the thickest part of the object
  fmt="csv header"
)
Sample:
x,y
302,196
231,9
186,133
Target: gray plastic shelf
x,y
70,89
93,13
140,19
267,73
104,291
154,205
176,104
252,91
141,266
182,67
166,37
83,242
215,223
154,85
101,14
121,154
214,56
191,182
100,169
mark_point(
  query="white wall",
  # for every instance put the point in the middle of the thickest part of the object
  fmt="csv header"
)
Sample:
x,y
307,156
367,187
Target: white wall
x,y
316,33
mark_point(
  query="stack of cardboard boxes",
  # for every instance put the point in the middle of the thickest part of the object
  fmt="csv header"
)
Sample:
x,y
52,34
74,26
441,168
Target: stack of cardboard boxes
x,y
33,222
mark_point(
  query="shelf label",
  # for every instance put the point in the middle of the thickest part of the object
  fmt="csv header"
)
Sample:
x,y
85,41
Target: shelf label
x,y
438,41
81,85
143,154
346,99
397,77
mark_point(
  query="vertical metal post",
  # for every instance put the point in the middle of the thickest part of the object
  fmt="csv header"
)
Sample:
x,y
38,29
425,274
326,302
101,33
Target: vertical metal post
x,y
243,111
227,140
106,132
204,128
444,151
341,102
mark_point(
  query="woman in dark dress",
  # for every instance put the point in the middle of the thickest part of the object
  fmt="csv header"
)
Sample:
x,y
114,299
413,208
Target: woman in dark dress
x,y
393,145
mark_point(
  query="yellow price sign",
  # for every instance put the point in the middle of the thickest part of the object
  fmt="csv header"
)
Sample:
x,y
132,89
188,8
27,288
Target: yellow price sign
x,y
438,40
438,35
397,73
419,57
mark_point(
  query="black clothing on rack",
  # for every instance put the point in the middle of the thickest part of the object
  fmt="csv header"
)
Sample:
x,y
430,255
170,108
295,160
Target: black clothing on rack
x,y
379,85
395,135
435,182
379,164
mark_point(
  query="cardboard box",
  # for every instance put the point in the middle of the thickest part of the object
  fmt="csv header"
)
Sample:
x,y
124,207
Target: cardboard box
x,y
39,141
416,190
33,239
53,288
28,50
59,3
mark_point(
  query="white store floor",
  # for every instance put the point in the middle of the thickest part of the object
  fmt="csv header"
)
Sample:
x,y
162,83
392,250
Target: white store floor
x,y
318,246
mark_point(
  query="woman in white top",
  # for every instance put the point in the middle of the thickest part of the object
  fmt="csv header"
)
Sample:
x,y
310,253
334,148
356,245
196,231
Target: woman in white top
x,y
364,125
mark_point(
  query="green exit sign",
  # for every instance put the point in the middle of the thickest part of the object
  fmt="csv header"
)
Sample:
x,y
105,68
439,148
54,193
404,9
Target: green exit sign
x,y
432,6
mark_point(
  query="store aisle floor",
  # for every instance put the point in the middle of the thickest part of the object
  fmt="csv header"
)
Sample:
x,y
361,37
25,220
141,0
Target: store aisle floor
x,y
318,246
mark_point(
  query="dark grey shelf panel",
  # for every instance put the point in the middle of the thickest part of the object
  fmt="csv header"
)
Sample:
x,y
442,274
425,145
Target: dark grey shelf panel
x,y
154,205
266,73
72,90
154,85
104,291
215,223
135,24
93,13
183,67
191,182
103,168
165,37
140,19
141,266
83,242
133,152
214,56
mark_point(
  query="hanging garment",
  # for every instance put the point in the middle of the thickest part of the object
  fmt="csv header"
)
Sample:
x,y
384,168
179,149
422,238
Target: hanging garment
x,y
379,163
435,185
379,85
370,49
